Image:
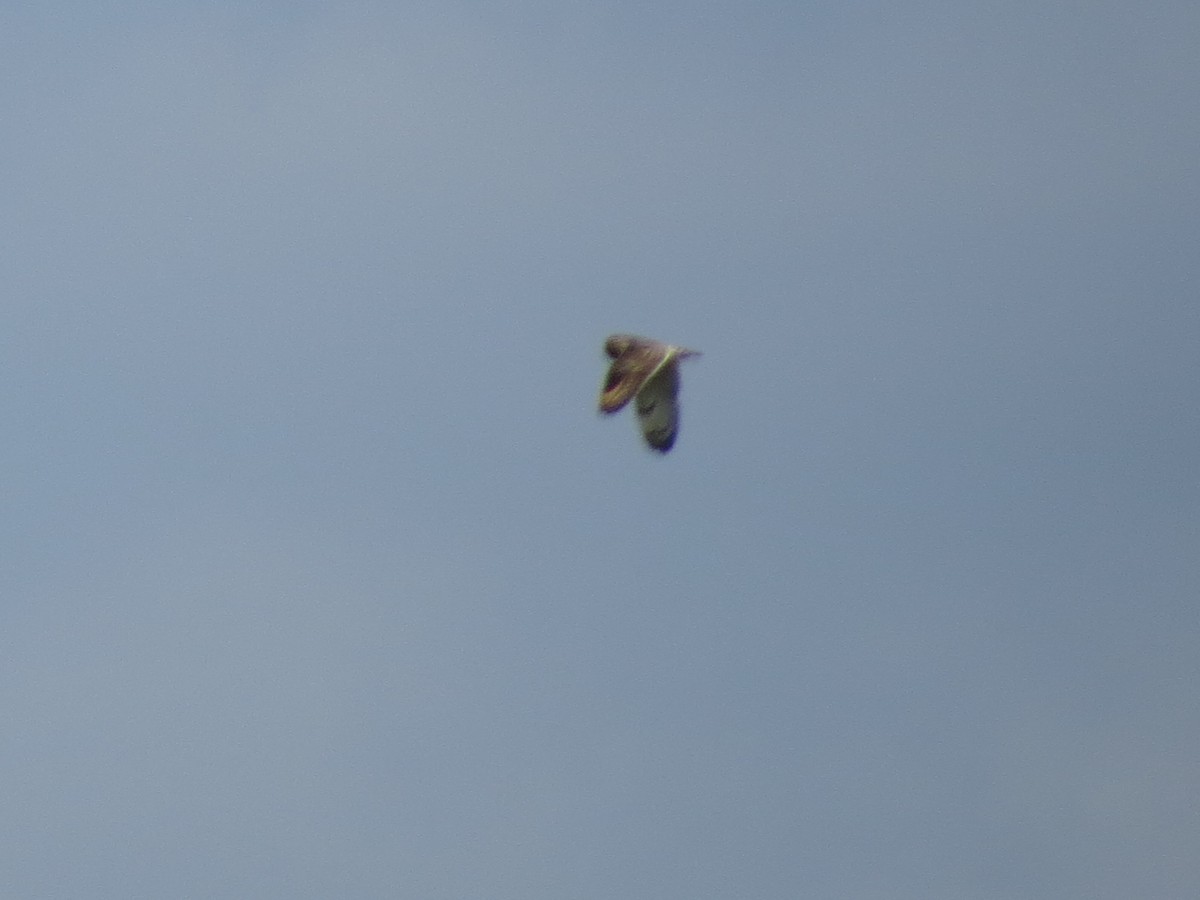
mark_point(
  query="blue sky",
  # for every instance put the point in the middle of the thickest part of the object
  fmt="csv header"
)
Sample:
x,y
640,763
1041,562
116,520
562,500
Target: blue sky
x,y
322,576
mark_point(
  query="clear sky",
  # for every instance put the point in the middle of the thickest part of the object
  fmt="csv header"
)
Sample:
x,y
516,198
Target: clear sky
x,y
322,577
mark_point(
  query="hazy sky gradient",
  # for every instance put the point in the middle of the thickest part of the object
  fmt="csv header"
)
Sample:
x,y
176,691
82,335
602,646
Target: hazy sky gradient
x,y
322,577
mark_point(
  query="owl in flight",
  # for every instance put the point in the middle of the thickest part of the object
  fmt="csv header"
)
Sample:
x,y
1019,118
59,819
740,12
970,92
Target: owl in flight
x,y
647,370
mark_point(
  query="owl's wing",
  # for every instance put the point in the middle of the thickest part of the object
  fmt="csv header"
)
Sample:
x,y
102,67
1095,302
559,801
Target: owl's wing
x,y
658,408
620,384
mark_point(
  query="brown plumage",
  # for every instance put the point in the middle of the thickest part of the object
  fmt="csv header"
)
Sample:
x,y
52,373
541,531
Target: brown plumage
x,y
648,370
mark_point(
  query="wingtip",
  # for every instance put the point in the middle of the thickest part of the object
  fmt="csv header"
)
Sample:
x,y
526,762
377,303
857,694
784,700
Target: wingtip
x,y
660,444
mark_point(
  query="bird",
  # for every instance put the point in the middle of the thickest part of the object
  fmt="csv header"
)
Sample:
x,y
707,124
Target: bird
x,y
647,370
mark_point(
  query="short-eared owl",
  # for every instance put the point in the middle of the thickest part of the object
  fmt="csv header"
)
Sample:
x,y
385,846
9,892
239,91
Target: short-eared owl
x,y
648,370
